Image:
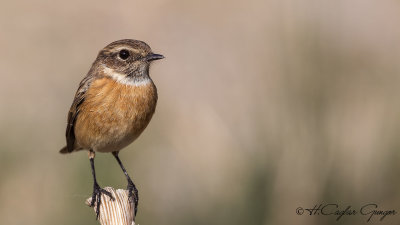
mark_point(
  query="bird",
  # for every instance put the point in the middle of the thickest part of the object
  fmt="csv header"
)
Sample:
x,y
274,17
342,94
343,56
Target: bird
x,y
113,105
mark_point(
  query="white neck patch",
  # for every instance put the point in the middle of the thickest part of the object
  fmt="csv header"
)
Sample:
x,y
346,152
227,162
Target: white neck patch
x,y
123,79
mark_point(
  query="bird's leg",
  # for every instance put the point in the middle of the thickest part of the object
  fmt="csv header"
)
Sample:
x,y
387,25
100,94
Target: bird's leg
x,y
97,191
131,185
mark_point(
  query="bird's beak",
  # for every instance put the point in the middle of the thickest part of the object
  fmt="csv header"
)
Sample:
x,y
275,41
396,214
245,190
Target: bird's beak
x,y
152,57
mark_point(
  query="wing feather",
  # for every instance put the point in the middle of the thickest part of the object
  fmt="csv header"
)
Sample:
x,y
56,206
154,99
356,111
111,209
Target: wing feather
x,y
74,111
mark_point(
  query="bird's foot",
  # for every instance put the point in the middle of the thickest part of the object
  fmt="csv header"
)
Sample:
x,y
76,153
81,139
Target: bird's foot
x,y
133,194
96,198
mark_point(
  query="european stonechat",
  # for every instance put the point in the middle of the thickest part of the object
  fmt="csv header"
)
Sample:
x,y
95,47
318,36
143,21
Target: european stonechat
x,y
112,106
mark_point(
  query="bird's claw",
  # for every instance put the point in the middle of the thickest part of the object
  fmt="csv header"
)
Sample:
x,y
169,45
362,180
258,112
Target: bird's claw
x,y
96,198
133,195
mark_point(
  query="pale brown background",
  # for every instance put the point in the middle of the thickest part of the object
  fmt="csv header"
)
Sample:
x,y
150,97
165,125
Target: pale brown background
x,y
264,106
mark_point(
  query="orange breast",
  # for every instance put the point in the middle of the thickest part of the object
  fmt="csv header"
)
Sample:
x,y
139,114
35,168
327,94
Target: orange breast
x,y
113,114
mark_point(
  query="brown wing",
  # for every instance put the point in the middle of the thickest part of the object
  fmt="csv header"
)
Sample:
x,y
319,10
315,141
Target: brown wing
x,y
74,112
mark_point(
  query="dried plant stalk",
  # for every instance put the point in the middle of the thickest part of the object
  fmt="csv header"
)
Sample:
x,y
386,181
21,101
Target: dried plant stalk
x,y
118,212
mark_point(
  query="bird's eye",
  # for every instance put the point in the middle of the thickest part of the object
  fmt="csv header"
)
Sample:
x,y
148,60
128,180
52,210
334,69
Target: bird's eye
x,y
124,54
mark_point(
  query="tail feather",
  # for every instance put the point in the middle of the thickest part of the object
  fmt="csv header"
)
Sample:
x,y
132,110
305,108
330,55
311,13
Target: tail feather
x,y
64,150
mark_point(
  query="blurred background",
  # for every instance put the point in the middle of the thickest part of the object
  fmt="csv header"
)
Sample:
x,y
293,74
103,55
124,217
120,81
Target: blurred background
x,y
264,106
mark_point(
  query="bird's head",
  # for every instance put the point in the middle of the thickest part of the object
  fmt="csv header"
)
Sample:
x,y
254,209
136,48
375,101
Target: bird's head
x,y
126,61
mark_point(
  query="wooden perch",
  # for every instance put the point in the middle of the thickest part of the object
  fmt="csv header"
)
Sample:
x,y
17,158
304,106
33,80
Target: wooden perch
x,y
118,212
